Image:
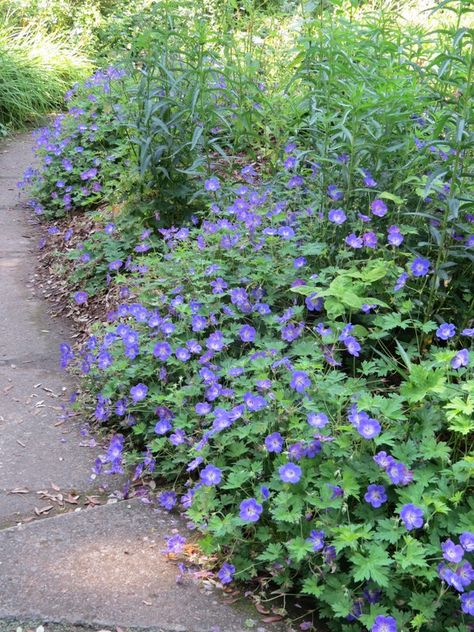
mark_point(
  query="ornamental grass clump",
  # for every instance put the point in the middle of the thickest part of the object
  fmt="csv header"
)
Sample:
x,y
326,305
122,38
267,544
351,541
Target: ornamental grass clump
x,y
35,71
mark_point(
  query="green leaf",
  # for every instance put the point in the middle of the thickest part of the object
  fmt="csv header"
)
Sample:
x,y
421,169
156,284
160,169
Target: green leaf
x,y
272,553
311,587
421,381
385,195
412,554
236,479
372,564
299,548
349,535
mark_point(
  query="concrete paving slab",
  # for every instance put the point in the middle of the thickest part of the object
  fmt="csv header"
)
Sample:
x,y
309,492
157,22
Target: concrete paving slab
x,y
105,567
16,154
34,450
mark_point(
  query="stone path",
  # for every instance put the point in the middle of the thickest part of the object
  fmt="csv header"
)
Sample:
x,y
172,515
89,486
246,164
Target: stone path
x,y
97,567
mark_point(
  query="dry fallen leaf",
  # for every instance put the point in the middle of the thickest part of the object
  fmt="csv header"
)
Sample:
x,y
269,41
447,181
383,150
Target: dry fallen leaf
x,y
43,510
272,619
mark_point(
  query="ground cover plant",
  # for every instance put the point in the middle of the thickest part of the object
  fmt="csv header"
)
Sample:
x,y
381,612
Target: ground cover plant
x,y
290,355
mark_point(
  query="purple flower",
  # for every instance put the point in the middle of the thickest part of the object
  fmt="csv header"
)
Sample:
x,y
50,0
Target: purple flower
x,y
178,437
402,279
115,265
336,491
398,473
286,232
254,402
467,603
175,544
412,516
167,500
369,428
211,475
420,267
138,392
104,360
215,342
460,359
370,239
317,420
114,454
299,262
465,574
316,538
467,541
162,426
334,193
352,346
81,297
378,207
337,216
329,554
212,184
89,174
247,333
226,573
383,459
203,408
182,354
198,323
274,442
290,473
384,624
368,179
250,510
452,552
162,350
291,331
300,381
109,229
322,330
446,331
394,236
353,241
294,182
313,303
375,495
167,328
218,286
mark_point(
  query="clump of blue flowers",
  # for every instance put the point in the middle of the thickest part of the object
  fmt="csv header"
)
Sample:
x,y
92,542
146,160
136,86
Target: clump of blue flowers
x,y
293,365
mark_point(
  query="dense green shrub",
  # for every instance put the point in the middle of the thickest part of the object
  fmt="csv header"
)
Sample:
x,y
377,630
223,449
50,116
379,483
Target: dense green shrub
x,y
84,152
216,361
293,363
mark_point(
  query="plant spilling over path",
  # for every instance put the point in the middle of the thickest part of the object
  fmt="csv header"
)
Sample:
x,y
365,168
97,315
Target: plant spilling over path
x,y
290,353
